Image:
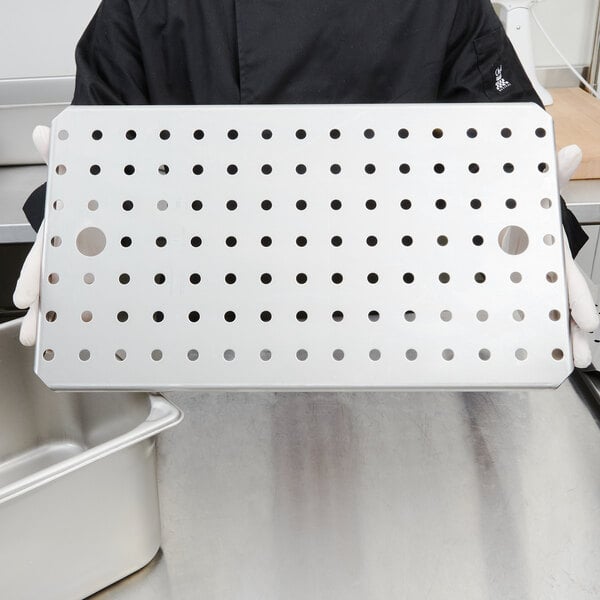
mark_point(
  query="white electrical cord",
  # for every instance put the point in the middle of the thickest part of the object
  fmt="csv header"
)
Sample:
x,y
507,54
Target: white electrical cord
x,y
583,81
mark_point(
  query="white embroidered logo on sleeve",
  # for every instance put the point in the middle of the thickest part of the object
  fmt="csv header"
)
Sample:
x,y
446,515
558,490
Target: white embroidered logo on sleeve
x,y
501,83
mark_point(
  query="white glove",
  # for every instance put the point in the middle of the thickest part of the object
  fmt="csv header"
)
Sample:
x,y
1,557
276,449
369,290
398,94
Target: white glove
x,y
584,314
27,290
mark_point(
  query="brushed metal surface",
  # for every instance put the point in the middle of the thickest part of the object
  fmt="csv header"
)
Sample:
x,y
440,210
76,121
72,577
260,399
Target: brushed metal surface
x,y
17,122
25,103
437,496
32,91
78,494
321,296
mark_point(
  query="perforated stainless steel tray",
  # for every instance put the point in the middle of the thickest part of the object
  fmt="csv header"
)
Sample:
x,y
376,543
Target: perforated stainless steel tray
x,y
303,247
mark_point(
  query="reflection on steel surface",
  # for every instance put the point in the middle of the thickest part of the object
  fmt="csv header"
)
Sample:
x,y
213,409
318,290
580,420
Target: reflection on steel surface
x,y
327,496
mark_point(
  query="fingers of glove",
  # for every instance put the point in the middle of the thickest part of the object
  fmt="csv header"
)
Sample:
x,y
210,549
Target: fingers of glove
x,y
569,159
582,353
27,333
41,139
581,301
27,289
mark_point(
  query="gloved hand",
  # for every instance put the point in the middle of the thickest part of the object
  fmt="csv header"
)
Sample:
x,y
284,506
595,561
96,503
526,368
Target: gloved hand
x,y
584,314
27,290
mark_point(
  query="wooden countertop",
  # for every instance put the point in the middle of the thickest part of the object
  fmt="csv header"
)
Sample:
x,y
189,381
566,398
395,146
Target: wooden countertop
x,y
576,117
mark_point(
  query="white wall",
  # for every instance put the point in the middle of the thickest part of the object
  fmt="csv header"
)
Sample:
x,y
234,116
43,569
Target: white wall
x,y
38,37
571,25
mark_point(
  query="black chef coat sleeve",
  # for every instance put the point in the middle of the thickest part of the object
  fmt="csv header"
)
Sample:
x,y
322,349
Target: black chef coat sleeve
x,y
481,65
109,71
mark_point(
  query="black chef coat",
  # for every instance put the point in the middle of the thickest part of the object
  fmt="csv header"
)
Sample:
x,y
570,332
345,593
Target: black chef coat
x,y
297,51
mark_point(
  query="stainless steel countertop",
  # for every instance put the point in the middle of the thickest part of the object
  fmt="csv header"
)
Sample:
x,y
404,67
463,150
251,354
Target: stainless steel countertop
x,y
450,496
